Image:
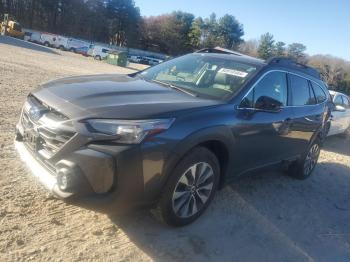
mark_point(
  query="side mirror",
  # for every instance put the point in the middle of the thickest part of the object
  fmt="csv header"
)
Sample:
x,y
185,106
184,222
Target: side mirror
x,y
267,103
339,108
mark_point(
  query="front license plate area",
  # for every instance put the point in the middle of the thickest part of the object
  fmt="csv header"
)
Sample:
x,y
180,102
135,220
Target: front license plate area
x,y
31,138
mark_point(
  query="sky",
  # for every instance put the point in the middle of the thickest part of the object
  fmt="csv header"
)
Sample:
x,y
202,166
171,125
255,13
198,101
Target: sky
x,y
322,25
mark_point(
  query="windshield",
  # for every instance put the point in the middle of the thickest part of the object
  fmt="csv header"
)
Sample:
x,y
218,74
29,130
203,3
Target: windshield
x,y
203,75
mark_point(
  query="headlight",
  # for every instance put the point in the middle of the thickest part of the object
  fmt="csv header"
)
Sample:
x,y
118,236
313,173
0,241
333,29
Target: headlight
x,y
129,131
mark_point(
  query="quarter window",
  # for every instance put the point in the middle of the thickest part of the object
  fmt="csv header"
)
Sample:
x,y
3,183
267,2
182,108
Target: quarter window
x,y
319,93
272,90
302,92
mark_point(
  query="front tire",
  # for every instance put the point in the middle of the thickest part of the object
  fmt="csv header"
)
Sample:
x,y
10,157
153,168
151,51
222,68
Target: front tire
x,y
190,189
304,167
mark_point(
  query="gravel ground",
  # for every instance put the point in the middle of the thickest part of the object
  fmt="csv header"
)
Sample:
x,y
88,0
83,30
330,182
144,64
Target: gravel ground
x,y
267,217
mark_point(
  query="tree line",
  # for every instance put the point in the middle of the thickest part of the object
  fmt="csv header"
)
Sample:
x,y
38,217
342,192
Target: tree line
x,y
334,71
119,22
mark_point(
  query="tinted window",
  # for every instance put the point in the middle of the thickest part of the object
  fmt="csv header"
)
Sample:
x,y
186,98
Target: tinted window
x,y
338,101
319,93
346,102
302,92
271,89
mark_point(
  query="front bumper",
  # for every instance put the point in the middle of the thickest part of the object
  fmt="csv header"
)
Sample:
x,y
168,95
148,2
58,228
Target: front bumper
x,y
105,173
135,182
46,178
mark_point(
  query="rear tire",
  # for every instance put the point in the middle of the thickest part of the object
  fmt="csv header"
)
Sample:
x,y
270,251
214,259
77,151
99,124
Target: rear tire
x,y
47,44
190,188
303,168
98,58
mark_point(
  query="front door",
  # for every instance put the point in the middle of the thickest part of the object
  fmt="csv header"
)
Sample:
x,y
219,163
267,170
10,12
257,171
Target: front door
x,y
263,132
339,120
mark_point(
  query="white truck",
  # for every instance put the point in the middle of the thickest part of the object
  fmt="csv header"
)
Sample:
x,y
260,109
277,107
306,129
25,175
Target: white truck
x,y
99,52
73,44
35,37
61,42
48,39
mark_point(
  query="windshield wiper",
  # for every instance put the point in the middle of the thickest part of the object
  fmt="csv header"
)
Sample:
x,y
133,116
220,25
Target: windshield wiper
x,y
175,87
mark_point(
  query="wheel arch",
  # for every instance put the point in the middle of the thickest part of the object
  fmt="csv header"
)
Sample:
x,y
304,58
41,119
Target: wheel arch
x,y
219,140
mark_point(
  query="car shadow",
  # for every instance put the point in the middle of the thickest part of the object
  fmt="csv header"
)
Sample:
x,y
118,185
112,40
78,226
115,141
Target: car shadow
x,y
269,217
24,44
337,144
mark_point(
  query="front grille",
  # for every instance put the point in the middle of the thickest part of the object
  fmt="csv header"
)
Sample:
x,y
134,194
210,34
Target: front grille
x,y
53,140
50,130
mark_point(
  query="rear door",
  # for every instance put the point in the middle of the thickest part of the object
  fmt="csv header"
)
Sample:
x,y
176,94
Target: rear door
x,y
263,132
309,114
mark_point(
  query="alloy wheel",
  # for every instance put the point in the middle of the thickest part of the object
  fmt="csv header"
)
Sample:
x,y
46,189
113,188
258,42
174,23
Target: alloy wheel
x,y
311,159
193,190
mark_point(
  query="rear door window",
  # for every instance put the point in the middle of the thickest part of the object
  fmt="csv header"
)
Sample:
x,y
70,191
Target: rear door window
x,y
319,93
302,93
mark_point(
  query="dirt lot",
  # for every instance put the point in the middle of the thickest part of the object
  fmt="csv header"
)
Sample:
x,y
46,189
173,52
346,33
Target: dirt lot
x,y
269,217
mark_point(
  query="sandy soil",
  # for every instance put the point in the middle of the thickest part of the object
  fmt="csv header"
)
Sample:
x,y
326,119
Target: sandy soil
x,y
267,217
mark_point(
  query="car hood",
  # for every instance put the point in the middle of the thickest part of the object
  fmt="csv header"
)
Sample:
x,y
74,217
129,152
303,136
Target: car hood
x,y
115,96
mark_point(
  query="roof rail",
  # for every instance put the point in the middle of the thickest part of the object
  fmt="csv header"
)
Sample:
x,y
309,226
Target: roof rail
x,y
285,61
219,50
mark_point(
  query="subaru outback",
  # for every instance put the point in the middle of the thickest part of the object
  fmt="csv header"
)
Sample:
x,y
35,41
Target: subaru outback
x,y
168,137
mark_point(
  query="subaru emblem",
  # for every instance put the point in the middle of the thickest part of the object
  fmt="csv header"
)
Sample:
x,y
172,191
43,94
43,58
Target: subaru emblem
x,y
35,113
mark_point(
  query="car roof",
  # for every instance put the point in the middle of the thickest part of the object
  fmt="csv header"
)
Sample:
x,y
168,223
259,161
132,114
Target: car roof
x,y
239,58
332,92
281,62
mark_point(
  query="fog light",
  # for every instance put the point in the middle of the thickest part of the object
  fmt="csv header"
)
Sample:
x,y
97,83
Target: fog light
x,y
64,179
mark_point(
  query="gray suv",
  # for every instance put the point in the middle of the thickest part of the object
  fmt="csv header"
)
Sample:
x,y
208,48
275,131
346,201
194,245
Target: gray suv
x,y
171,135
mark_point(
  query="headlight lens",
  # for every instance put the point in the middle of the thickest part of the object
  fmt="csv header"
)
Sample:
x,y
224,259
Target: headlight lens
x,y
129,131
